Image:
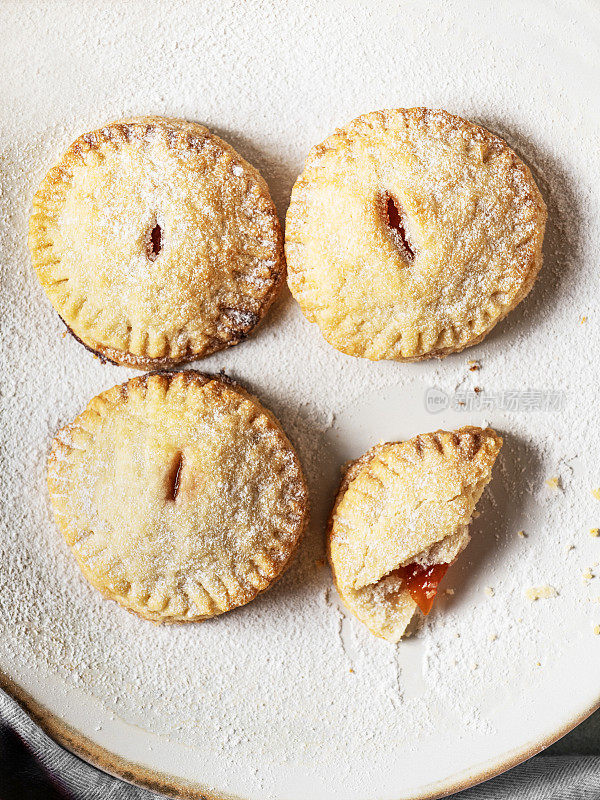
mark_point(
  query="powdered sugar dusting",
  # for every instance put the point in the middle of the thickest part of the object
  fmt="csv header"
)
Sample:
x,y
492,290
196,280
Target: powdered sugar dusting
x,y
289,693
146,235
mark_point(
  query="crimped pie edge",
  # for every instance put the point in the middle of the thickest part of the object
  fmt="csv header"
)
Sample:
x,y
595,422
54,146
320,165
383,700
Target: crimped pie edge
x,y
90,417
48,198
452,339
352,469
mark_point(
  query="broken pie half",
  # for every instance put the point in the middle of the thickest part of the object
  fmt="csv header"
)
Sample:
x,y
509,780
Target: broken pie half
x,y
401,518
156,242
179,495
411,233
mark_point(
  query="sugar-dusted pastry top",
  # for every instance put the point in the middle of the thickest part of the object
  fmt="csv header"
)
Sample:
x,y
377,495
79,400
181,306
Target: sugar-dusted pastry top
x,y
156,242
411,233
404,504
179,494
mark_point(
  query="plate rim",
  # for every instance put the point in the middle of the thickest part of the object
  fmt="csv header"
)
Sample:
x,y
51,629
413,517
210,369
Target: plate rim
x,y
167,784
146,777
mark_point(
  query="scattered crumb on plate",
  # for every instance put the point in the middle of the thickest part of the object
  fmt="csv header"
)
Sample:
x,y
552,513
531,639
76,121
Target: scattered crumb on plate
x,y
540,592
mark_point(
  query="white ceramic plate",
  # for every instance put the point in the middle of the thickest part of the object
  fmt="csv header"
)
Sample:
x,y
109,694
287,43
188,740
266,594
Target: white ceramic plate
x,y
289,697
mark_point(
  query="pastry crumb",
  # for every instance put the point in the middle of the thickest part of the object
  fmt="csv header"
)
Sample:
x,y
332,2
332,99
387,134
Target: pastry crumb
x,y
522,534
493,637
596,493
489,591
553,482
588,574
474,365
538,663
594,531
450,591
350,670
475,514
570,547
597,630
474,665
540,593
583,319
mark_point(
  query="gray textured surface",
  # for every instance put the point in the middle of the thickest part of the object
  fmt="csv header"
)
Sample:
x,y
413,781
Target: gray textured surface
x,y
584,740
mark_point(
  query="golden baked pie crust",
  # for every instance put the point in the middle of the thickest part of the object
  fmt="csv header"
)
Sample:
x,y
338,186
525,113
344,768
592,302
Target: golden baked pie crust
x,y
470,207
397,502
221,257
179,495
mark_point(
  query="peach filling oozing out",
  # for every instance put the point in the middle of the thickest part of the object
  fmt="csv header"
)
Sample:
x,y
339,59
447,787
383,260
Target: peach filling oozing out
x,y
422,582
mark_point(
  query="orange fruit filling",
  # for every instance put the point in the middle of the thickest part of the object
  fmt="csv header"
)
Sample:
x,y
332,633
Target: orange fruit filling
x,y
422,582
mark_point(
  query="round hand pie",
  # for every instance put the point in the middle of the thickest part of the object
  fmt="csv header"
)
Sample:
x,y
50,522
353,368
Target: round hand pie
x,y
411,233
401,518
179,494
156,242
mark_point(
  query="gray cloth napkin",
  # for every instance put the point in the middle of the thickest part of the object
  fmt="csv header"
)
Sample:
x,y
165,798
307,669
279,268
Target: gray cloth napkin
x,y
33,766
